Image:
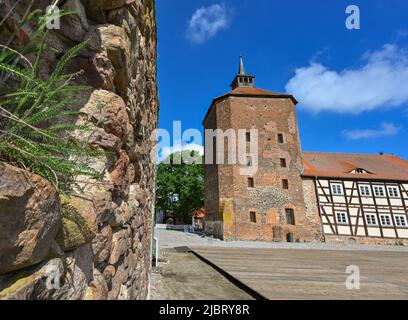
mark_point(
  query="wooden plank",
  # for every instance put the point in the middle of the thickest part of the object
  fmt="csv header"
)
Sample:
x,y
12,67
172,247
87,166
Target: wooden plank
x,y
313,274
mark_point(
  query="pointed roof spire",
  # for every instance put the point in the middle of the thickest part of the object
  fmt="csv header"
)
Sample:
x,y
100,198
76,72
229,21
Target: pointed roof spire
x,y
242,80
241,65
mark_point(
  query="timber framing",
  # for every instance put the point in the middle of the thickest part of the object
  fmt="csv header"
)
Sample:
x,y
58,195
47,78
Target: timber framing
x,y
357,204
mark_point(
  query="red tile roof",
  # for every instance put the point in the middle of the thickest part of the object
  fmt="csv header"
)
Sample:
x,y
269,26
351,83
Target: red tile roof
x,y
258,93
251,92
340,165
199,214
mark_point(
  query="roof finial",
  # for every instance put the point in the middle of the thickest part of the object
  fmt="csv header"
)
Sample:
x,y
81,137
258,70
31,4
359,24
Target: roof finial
x,y
241,65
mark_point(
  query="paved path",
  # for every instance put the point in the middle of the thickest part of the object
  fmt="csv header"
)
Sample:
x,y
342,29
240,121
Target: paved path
x,y
174,239
314,274
185,277
276,270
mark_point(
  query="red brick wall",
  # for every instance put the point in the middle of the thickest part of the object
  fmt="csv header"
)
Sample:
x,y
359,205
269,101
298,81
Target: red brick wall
x,y
268,199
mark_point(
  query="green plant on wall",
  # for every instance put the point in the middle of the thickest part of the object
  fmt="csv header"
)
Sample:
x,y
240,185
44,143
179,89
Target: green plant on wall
x,y
36,123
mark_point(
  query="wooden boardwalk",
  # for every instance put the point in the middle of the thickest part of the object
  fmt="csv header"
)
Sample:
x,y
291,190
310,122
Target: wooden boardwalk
x,y
314,274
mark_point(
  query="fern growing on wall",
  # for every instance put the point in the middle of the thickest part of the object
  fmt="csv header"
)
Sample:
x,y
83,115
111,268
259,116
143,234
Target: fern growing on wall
x,y
36,123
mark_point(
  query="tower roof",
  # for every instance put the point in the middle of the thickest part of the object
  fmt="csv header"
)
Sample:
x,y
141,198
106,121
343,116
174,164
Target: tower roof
x,y
242,80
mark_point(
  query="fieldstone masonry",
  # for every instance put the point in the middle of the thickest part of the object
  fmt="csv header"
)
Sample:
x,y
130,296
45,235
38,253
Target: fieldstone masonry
x,y
96,244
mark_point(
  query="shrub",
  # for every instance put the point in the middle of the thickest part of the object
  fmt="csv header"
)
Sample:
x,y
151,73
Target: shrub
x,y
36,129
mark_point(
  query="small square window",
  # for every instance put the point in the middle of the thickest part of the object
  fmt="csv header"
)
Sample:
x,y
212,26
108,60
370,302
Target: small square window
x,y
371,220
251,183
379,191
283,163
252,216
393,192
285,184
365,191
280,138
385,220
400,221
337,189
341,217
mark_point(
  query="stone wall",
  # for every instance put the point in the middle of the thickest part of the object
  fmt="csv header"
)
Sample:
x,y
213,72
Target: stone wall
x,y
95,244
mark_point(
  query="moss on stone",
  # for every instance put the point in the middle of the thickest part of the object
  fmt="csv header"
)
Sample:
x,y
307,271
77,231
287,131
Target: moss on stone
x,y
75,230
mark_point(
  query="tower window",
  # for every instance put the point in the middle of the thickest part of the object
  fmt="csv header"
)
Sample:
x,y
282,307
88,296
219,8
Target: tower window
x,y
214,151
251,183
290,216
249,162
285,184
280,138
252,216
283,163
248,137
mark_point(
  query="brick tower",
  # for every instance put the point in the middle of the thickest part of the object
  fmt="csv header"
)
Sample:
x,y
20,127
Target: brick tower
x,y
268,205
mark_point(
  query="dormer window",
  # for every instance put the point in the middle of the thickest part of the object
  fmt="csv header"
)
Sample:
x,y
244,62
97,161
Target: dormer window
x,y
360,171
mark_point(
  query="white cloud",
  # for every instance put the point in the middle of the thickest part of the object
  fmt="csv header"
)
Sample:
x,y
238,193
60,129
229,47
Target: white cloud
x,y
386,129
382,81
166,151
206,22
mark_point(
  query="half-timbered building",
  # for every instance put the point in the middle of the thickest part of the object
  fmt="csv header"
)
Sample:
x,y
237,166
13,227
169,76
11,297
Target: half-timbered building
x,y
361,198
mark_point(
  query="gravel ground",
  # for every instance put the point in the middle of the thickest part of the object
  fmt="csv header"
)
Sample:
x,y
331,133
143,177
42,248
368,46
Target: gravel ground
x,y
174,239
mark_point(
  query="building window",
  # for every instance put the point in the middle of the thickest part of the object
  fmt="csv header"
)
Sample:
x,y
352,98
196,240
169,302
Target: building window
x,y
249,162
248,136
215,150
371,220
360,171
251,183
283,163
285,184
252,216
365,191
385,220
337,189
341,217
280,138
400,221
393,192
379,191
290,216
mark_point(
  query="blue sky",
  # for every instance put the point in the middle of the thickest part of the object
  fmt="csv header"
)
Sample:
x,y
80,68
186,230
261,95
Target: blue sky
x,y
352,85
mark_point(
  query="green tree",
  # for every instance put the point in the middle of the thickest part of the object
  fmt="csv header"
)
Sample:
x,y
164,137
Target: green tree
x,y
180,187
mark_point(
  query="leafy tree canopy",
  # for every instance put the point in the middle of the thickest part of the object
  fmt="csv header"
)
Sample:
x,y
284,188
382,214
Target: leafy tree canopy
x,y
180,184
